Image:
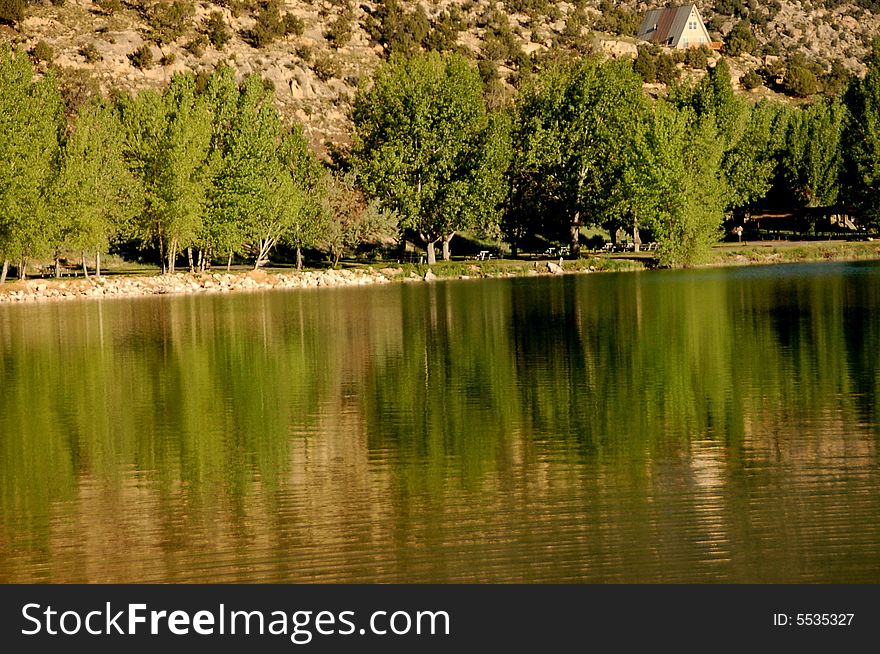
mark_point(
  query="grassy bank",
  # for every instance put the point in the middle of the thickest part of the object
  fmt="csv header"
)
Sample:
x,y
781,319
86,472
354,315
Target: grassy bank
x,y
507,267
735,254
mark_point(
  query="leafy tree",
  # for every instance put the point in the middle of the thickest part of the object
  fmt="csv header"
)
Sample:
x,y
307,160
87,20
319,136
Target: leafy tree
x,y
861,141
750,162
30,120
354,221
800,80
740,40
573,139
677,184
168,145
811,160
263,183
747,134
426,147
95,193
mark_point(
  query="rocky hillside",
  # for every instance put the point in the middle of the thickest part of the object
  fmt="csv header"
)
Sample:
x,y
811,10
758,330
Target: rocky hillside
x,y
315,52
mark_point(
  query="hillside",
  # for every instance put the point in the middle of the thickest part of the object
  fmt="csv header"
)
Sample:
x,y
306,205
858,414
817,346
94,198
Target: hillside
x,y
316,52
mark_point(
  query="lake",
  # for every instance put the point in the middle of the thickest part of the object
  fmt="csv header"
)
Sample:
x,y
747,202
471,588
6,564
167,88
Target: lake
x,y
717,425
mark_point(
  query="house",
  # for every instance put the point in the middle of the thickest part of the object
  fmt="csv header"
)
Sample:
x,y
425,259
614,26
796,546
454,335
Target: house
x,y
675,27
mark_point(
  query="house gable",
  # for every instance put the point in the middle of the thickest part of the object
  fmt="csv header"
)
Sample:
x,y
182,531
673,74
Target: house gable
x,y
675,27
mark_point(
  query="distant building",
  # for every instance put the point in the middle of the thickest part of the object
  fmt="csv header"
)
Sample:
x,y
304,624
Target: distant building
x,y
675,27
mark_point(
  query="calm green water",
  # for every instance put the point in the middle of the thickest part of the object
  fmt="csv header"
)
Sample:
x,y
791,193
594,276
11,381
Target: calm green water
x,y
717,425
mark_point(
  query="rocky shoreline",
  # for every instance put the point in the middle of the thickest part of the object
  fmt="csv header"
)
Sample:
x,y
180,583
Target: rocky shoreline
x,y
51,289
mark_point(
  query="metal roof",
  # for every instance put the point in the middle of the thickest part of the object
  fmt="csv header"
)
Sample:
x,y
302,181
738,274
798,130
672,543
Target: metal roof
x,y
665,26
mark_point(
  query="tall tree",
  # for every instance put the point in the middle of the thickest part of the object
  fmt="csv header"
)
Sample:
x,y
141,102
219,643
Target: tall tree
x,y
265,183
861,141
574,137
169,139
811,160
30,121
95,193
677,183
427,148
750,135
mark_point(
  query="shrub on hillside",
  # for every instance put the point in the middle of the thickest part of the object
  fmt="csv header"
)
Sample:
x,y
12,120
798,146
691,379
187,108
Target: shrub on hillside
x,y
142,58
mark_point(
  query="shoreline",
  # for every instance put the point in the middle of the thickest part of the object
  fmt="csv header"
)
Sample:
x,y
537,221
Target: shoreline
x,y
45,289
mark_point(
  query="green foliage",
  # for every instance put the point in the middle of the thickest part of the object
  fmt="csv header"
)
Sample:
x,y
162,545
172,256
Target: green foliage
x,y
90,53
427,148
169,20
811,159
30,120
142,58
677,184
327,68
216,30
43,52
861,141
800,78
617,20
747,135
443,35
167,144
271,25
751,80
266,187
573,140
697,58
740,40
95,195
339,31
654,64
12,11
400,31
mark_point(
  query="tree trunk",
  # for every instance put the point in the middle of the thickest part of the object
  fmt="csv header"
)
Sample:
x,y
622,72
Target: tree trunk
x,y
84,267
200,264
229,262
447,254
97,264
299,258
172,256
22,268
57,266
5,271
161,252
576,236
432,257
189,258
637,240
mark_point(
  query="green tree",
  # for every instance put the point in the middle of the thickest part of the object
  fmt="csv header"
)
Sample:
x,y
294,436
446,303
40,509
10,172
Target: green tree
x,y
427,148
677,183
30,121
168,145
95,193
861,141
740,39
263,182
574,137
749,135
811,159
354,221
